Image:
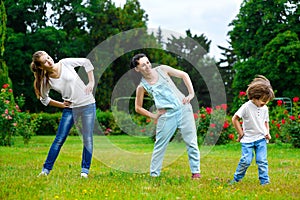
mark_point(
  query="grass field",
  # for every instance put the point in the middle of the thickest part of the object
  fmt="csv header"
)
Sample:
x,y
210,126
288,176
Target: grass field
x,y
20,165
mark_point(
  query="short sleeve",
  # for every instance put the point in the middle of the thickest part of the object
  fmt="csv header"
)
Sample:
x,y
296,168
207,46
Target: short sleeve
x,y
241,111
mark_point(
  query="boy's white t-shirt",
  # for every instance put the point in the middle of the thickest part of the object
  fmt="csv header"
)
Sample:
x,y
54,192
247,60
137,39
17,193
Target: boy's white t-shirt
x,y
254,119
69,84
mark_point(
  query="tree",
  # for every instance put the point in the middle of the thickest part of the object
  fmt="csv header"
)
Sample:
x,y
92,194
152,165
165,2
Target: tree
x,y
194,49
3,68
281,61
64,28
265,38
226,69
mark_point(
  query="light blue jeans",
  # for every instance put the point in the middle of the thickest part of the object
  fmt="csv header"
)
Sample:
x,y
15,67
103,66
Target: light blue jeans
x,y
248,149
86,126
183,119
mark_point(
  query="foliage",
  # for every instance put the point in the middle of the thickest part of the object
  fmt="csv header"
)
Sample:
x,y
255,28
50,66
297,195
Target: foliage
x,y
72,29
281,56
3,68
217,129
191,55
47,123
11,118
265,39
285,125
107,123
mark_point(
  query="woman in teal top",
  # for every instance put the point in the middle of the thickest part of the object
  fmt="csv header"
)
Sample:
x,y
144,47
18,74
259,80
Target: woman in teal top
x,y
174,110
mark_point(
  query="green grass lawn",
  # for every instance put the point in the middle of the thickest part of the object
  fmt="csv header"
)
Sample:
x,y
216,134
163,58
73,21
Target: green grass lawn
x,y
20,165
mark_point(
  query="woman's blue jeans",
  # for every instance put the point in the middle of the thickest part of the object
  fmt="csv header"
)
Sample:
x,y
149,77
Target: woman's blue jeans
x,y
260,149
84,118
183,119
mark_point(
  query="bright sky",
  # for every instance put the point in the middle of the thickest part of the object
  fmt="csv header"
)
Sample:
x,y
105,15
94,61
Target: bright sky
x,y
210,18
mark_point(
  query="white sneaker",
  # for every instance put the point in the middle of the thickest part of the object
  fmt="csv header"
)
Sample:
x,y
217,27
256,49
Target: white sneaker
x,y
43,174
83,175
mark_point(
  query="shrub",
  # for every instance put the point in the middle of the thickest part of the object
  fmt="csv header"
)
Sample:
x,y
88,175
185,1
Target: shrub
x,y
47,123
120,122
294,125
11,118
26,127
107,123
214,126
284,126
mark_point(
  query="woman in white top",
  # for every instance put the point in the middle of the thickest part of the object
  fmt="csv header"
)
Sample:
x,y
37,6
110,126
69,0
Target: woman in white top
x,y
78,102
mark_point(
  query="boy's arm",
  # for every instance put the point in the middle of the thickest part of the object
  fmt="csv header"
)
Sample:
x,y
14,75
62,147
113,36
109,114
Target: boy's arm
x,y
268,136
237,126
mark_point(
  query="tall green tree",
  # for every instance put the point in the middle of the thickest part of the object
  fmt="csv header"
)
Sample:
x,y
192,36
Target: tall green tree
x,y
65,29
262,33
194,48
225,65
3,68
105,19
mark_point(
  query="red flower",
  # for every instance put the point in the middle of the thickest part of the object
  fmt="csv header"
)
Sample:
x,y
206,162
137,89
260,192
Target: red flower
x,y
298,116
195,116
107,131
279,102
203,116
224,106
231,136
273,121
277,135
278,125
213,125
10,90
209,110
295,99
5,86
218,107
211,134
292,117
148,120
242,93
143,130
226,124
283,121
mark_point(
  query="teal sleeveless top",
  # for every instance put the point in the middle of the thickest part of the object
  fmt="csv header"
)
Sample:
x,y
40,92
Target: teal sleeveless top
x,y
164,92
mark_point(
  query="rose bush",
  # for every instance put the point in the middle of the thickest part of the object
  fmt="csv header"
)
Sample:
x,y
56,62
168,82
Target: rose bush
x,y
12,120
214,125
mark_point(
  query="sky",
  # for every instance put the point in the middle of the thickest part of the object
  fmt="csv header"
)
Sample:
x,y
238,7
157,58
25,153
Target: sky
x,y
210,18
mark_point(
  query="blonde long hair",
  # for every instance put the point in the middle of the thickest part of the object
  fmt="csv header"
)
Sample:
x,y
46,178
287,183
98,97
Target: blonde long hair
x,y
39,74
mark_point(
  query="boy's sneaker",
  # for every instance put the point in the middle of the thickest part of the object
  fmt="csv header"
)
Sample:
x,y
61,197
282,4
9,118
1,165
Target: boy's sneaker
x,y
42,174
232,182
263,184
83,175
196,176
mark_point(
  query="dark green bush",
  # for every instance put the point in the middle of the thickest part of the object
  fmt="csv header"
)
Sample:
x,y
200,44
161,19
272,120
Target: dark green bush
x,y
47,123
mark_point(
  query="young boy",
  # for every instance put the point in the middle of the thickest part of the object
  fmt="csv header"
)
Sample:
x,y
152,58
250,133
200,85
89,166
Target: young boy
x,y
255,132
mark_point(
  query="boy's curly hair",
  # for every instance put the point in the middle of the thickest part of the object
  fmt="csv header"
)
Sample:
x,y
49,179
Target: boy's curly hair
x,y
260,88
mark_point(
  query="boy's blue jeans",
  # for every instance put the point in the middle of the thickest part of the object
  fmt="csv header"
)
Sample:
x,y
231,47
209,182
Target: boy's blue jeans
x,y
248,149
183,119
86,126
